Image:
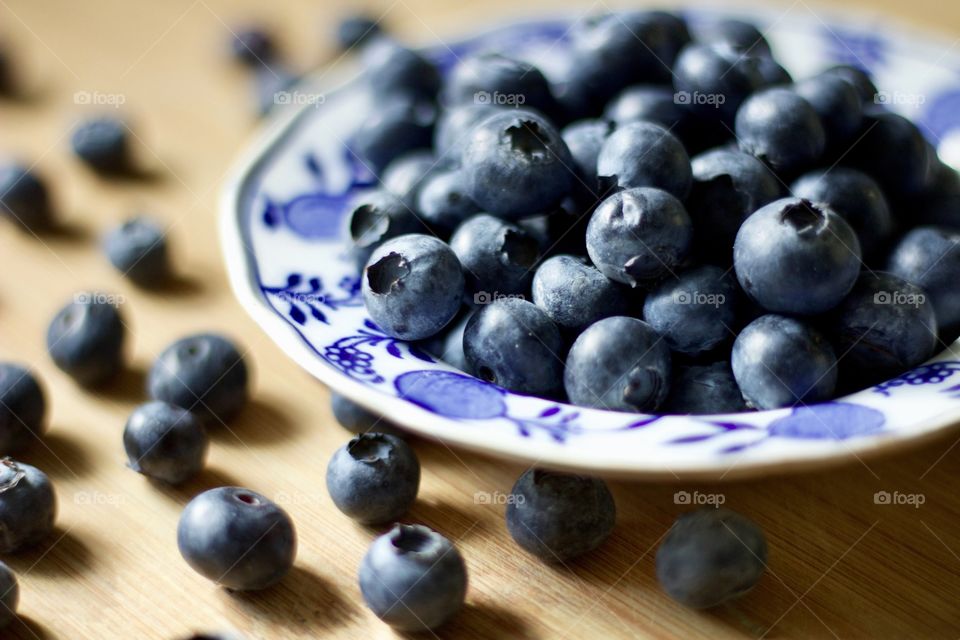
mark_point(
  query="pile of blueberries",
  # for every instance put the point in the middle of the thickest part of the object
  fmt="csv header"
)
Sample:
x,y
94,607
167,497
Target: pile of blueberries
x,y
669,224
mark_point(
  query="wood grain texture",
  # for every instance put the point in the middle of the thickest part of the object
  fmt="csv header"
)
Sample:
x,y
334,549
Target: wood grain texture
x,y
840,566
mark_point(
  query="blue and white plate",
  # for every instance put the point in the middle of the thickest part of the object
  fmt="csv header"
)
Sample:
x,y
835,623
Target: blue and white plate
x,y
286,250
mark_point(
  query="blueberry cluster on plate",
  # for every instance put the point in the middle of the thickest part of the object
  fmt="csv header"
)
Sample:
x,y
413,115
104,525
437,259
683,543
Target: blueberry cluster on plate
x,y
671,223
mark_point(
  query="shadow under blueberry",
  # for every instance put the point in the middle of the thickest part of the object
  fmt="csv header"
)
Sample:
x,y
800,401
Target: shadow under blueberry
x,y
260,421
129,385
25,628
64,231
479,621
454,522
62,553
176,284
209,478
303,599
58,454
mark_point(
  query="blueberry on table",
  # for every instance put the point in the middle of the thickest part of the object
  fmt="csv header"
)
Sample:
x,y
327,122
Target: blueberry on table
x,y
514,344
713,80
498,258
9,595
237,538
23,408
855,196
929,257
643,154
620,364
28,506
780,362
357,419
557,516
710,556
138,249
413,578
780,128
885,327
516,164
378,216
575,294
165,442
696,310
374,478
354,31
103,143
838,104
412,286
392,130
495,79
204,373
443,203
394,71
252,47
796,257
24,198
703,389
86,339
638,235
728,186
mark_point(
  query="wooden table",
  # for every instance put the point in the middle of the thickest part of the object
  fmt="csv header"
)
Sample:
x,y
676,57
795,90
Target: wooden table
x,y
840,565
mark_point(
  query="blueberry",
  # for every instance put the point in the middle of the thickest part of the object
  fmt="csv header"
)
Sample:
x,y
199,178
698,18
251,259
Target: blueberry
x,y
516,164
86,339
796,257
857,78
395,128
28,506
649,103
24,198
739,35
378,216
885,327
638,235
356,30
575,294
237,538
710,556
455,126
643,154
9,595
557,516
357,419
393,71
780,362
23,408
165,442
855,196
138,249
837,103
374,478
498,258
772,72
892,150
703,389
103,143
929,257
694,311
406,175
413,286
252,46
939,204
780,128
492,78
514,344
618,363
585,138
443,203
712,81
413,578
204,373
728,186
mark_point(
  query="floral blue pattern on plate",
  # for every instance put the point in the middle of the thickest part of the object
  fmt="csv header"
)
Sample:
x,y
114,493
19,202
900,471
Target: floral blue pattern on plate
x,y
287,255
